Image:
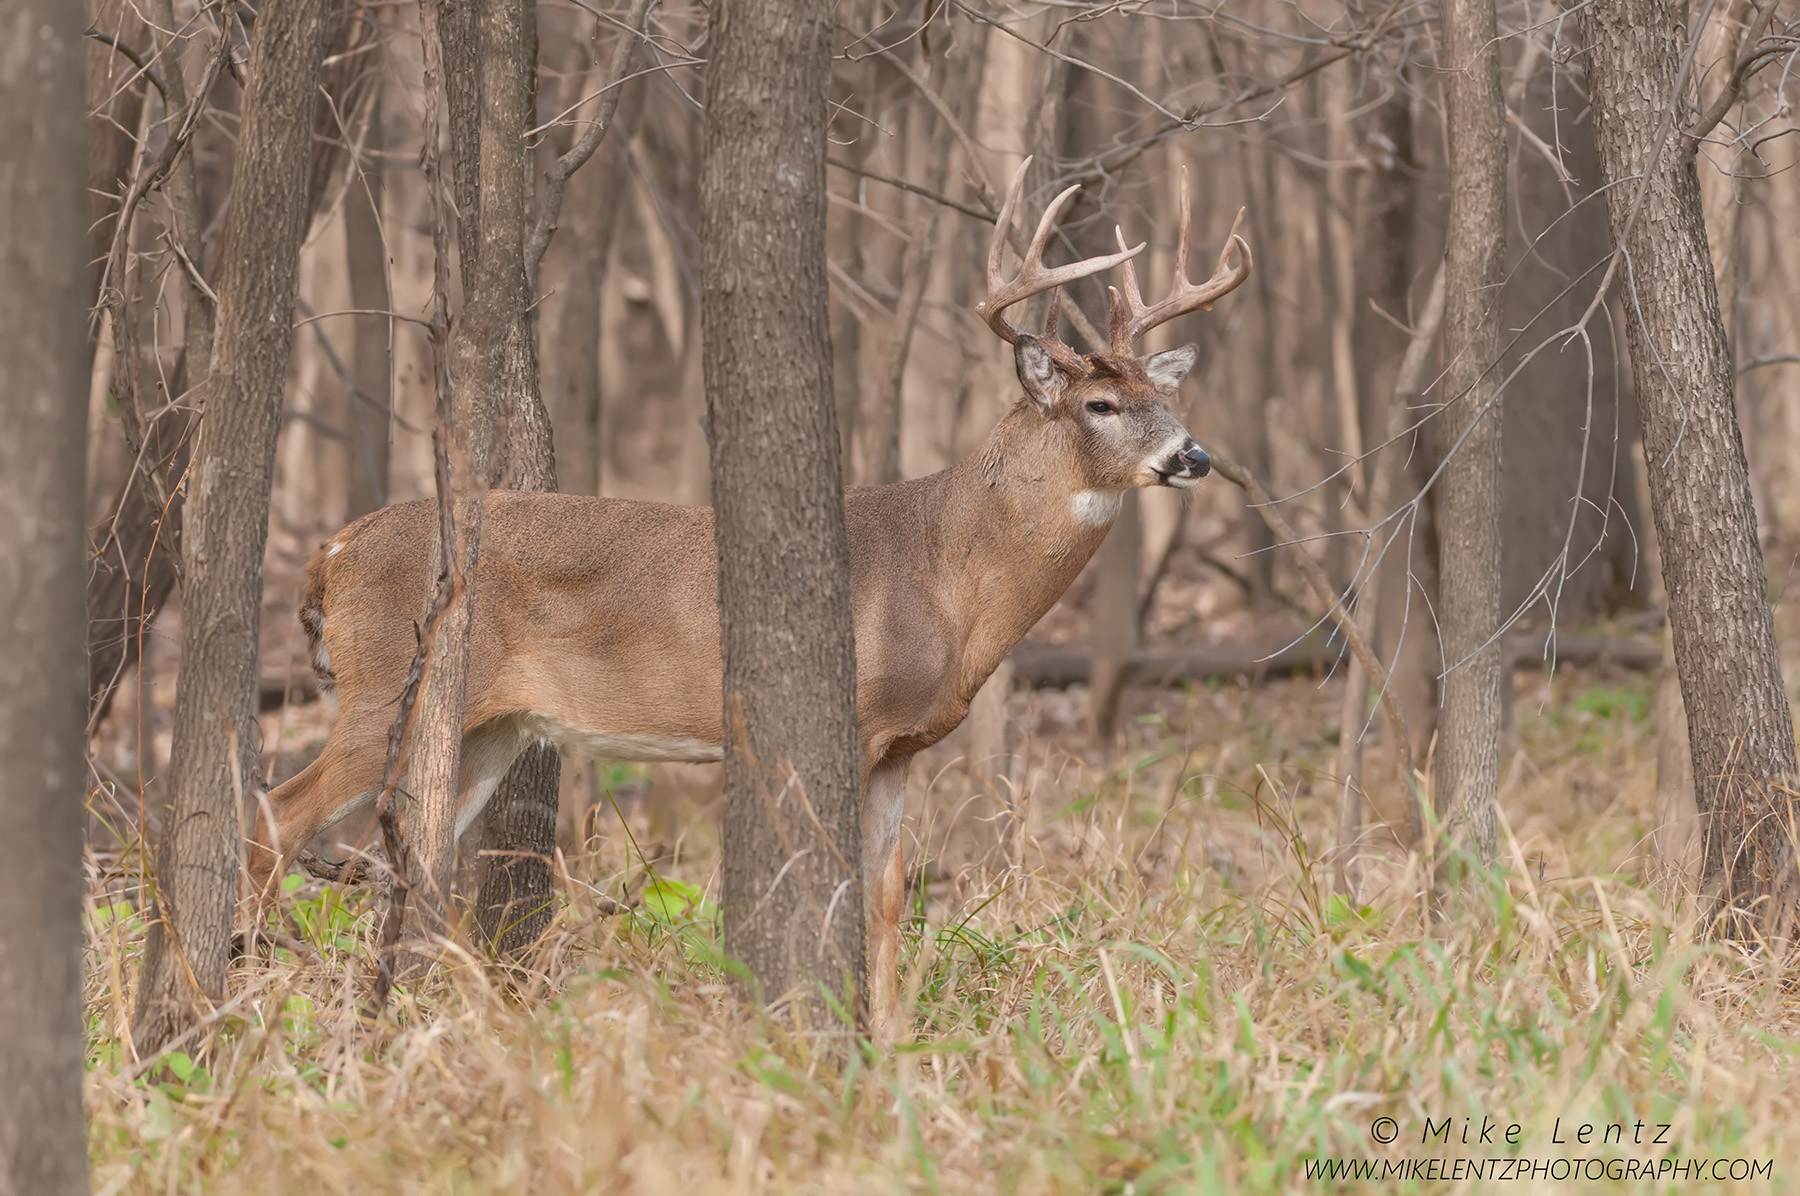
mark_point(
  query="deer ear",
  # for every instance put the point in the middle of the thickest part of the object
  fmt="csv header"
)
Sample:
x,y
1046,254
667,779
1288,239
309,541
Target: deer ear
x,y
1037,371
1166,370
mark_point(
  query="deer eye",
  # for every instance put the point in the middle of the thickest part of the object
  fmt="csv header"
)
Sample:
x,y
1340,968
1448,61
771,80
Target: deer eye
x,y
1101,407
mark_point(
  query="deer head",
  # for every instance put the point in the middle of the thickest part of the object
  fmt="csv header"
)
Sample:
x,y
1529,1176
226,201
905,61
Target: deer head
x,y
1112,407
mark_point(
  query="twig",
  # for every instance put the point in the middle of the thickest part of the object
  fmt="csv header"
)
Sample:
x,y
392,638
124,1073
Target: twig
x,y
113,296
1335,607
1749,61
131,55
556,179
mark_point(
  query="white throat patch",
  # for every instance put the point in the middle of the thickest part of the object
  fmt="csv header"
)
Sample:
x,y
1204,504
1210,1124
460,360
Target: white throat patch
x,y
1096,508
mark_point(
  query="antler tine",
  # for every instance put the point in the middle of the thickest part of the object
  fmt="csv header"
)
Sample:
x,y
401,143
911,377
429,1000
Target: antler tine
x,y
1181,246
1131,318
1126,309
997,247
1033,278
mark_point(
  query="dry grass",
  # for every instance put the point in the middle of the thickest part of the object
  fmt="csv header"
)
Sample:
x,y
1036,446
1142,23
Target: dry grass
x,y
1161,997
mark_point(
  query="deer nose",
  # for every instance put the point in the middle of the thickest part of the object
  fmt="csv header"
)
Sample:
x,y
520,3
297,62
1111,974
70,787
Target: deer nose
x,y
1194,458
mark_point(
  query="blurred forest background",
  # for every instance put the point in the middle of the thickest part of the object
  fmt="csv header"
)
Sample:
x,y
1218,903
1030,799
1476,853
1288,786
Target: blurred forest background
x,y
1324,120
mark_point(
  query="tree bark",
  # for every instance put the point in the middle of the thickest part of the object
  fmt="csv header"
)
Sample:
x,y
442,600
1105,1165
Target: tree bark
x,y
43,137
792,900
1674,834
513,896
1467,772
216,737
1740,730
486,89
513,905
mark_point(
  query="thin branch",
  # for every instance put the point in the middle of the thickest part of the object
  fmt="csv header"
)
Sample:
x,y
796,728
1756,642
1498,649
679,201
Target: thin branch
x,y
1749,61
132,56
113,295
556,179
889,180
1322,589
984,182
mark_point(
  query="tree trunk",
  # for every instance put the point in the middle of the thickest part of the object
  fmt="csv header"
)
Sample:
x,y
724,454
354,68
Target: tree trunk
x,y
1114,618
514,904
1260,368
216,736
486,88
1674,833
1740,730
43,1147
792,901
578,266
1386,211
513,899
371,422
1467,774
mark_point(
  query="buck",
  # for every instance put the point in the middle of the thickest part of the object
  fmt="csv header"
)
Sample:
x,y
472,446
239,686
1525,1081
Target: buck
x,y
596,620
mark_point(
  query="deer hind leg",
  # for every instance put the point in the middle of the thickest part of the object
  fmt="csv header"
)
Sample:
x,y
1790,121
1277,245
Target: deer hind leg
x,y
884,889
488,751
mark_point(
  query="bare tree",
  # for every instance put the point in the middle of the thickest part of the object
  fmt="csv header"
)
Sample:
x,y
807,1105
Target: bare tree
x,y
1740,729
216,737
1467,777
43,1146
793,907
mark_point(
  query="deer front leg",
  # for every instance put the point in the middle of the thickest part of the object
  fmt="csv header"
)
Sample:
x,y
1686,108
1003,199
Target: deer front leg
x,y
320,795
884,891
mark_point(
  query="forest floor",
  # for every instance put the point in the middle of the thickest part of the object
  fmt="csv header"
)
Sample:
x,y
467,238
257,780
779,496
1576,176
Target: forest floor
x,y
1160,993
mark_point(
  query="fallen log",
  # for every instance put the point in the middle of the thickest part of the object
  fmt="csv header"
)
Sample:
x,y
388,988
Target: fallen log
x,y
1051,666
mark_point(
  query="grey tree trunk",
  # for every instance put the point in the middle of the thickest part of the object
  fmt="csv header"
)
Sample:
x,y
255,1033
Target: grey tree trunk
x,y
371,422
1467,773
1676,822
43,341
513,905
1260,366
486,89
1115,617
1739,726
513,898
792,901
577,263
216,736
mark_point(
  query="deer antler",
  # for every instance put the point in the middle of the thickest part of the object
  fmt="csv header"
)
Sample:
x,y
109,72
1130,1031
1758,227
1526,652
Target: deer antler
x,y
1131,319
1033,278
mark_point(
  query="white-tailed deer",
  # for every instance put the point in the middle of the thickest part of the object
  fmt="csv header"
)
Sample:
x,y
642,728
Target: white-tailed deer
x,y
596,620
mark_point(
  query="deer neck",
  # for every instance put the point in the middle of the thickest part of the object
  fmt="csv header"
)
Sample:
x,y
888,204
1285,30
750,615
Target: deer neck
x,y
1028,524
